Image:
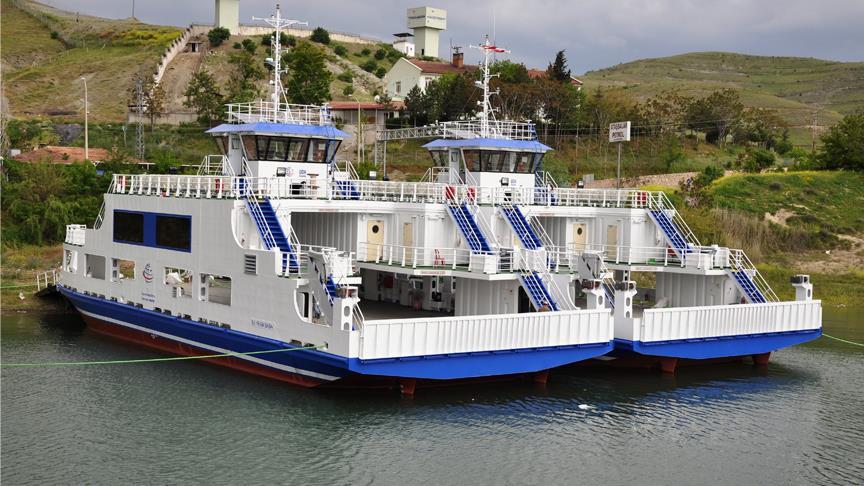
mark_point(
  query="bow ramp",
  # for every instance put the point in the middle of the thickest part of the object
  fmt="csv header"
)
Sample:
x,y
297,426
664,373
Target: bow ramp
x,y
271,231
468,227
526,234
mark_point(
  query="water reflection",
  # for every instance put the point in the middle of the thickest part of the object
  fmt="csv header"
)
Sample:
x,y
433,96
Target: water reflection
x,y
801,420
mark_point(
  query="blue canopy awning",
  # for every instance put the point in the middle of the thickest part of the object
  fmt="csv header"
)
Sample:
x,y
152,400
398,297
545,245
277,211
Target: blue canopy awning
x,y
490,143
265,128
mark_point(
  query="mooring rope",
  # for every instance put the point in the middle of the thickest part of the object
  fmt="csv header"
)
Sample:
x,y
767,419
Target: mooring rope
x,y
154,360
842,340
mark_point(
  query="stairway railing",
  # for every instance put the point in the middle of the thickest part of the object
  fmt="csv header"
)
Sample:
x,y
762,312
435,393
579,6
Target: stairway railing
x,y
659,201
740,262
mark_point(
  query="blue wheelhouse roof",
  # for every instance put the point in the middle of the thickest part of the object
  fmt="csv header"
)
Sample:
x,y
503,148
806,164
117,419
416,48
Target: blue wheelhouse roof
x,y
492,143
265,128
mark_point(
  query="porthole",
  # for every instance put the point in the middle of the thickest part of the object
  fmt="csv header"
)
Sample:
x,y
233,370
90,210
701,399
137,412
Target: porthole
x,y
579,231
375,228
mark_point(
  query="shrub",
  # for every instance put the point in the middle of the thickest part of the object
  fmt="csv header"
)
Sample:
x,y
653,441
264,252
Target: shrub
x,y
249,45
237,45
218,35
345,76
55,35
756,160
369,66
320,35
365,51
380,54
348,90
380,72
340,51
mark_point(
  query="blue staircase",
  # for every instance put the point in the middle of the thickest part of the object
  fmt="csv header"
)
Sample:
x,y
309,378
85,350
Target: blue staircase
x,y
469,227
537,291
526,234
330,288
748,286
673,234
265,219
610,294
347,189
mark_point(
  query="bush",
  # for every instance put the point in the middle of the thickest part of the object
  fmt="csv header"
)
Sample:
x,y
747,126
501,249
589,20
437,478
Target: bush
x,y
345,76
218,35
348,90
843,145
369,66
55,35
249,45
380,72
365,51
756,160
380,54
320,35
340,50
237,45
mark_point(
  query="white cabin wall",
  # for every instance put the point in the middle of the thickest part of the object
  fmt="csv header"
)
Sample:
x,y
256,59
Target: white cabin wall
x,y
335,230
477,297
684,290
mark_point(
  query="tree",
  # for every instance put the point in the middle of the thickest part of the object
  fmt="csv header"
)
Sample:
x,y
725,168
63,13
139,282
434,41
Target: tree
x,y
758,125
203,95
320,35
558,70
843,144
241,86
716,115
249,45
340,50
218,35
153,97
380,54
309,81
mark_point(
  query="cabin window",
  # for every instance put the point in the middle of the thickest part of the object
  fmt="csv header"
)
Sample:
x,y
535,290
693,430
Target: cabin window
x,y
249,147
128,227
472,160
318,151
332,147
70,261
491,161
297,150
95,266
216,289
174,232
180,282
221,143
439,158
122,269
277,148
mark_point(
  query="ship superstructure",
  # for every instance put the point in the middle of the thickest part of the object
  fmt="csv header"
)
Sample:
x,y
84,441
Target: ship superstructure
x,y
472,273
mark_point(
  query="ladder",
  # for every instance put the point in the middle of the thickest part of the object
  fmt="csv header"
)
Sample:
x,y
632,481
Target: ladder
x,y
468,226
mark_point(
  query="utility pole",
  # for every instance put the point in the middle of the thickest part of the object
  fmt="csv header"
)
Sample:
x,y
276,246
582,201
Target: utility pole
x,y
813,132
86,121
359,130
139,108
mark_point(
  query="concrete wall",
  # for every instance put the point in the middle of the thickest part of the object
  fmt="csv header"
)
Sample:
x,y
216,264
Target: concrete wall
x,y
250,30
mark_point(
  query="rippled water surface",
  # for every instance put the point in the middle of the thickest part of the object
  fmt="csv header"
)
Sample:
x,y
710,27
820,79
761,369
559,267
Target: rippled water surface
x,y
801,421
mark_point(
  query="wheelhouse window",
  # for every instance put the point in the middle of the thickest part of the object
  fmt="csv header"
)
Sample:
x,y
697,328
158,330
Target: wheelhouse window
x,y
318,151
174,232
439,158
472,160
500,161
128,227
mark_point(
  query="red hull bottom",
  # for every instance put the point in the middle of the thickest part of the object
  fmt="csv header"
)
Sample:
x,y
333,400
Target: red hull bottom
x,y
656,362
406,386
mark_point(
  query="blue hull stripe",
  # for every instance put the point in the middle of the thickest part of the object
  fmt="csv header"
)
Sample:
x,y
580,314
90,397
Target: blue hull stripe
x,y
719,347
326,366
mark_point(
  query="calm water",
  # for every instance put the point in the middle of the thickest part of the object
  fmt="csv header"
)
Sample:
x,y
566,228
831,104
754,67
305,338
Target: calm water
x,y
799,422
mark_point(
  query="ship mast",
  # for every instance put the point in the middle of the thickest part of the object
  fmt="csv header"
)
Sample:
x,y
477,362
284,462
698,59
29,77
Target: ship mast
x,y
487,112
277,22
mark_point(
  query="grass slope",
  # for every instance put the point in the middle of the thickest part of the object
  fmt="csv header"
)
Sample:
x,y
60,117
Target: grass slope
x,y
42,75
794,86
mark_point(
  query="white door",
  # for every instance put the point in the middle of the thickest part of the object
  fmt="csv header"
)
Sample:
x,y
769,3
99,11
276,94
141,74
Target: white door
x,y
374,238
408,241
611,242
579,236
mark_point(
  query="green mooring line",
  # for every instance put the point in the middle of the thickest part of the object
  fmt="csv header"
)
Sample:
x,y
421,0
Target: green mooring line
x,y
842,340
154,360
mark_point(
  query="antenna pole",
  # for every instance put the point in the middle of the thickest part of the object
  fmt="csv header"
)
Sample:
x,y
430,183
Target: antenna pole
x,y
277,22
486,114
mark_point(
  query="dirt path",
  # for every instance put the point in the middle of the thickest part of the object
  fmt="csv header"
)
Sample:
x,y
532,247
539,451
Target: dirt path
x,y
177,77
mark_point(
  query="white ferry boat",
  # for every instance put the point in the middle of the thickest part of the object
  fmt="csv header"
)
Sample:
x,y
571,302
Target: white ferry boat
x,y
471,274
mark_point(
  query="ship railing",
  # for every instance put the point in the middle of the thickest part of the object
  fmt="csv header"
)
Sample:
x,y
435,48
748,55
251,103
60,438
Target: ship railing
x,y
497,129
414,256
215,165
100,217
703,258
740,262
267,111
173,185
46,279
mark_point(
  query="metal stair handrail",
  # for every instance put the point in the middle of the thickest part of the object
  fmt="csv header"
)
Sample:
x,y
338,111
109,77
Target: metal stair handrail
x,y
659,201
740,262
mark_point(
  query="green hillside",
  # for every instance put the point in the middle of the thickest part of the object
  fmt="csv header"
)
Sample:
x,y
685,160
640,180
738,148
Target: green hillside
x,y
45,57
796,87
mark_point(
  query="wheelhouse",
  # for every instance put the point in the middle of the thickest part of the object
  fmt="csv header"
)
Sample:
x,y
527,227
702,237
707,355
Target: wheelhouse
x,y
489,161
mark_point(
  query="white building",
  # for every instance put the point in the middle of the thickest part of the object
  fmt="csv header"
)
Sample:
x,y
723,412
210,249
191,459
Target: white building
x,y
228,15
427,22
407,73
404,44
